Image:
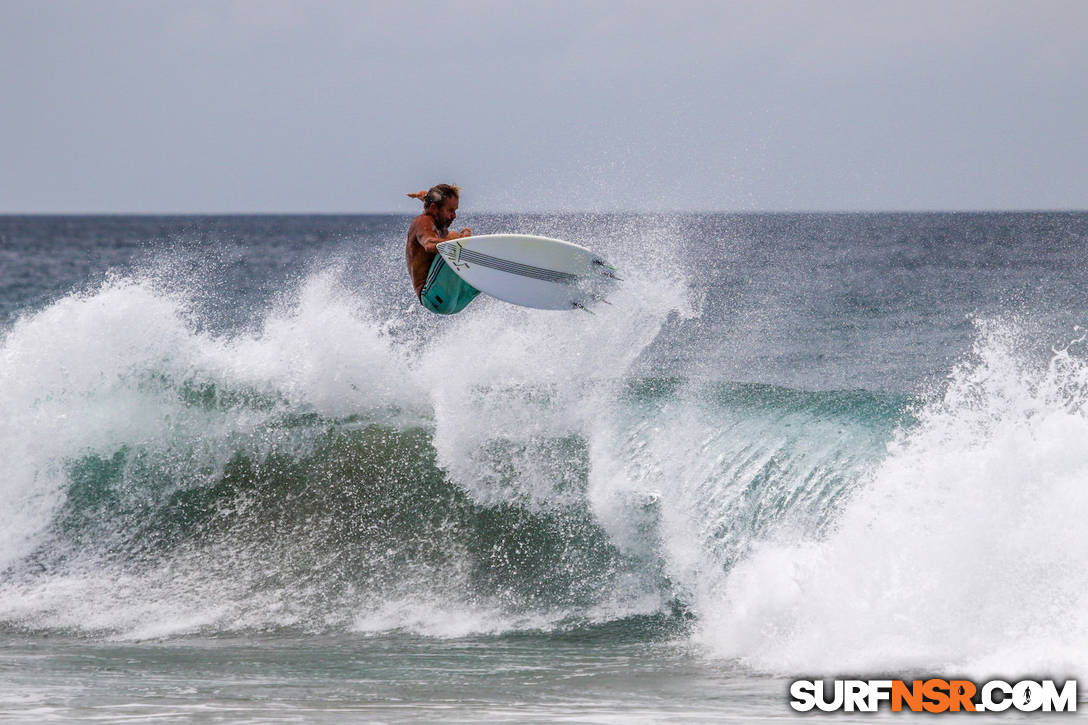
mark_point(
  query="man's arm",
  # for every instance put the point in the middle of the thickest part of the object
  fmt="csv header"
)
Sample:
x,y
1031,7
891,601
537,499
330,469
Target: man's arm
x,y
427,236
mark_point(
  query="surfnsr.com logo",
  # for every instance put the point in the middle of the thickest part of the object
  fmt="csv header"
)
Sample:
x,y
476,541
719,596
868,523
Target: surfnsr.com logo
x,y
933,695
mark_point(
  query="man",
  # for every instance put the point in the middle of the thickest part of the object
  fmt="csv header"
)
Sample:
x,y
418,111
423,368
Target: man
x,y
438,287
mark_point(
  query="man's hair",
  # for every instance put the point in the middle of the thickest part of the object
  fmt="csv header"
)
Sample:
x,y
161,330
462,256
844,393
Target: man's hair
x,y
441,192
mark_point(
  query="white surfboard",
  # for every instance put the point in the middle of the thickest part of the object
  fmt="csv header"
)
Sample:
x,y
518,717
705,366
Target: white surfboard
x,y
548,274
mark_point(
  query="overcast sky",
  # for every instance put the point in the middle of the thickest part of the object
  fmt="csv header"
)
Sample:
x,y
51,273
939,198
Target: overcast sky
x,y
340,106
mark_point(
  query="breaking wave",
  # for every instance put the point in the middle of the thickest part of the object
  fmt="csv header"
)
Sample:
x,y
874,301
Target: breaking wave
x,y
509,471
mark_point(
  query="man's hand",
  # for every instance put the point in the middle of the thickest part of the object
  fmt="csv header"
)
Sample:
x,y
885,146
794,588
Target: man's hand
x,y
418,195
466,232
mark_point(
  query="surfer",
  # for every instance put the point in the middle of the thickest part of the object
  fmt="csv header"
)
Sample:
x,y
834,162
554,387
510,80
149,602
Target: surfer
x,y
438,287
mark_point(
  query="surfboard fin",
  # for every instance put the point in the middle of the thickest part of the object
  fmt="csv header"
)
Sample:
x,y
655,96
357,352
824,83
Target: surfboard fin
x,y
608,270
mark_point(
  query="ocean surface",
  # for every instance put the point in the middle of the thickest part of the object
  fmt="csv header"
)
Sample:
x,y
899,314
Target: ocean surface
x,y
246,477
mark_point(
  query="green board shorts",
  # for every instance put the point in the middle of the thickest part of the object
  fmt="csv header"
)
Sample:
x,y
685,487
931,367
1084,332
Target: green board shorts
x,y
445,293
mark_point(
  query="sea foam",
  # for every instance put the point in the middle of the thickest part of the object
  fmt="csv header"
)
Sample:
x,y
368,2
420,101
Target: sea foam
x,y
960,551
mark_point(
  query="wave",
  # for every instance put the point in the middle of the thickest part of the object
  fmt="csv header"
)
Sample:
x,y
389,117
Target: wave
x,y
508,471
162,479
961,549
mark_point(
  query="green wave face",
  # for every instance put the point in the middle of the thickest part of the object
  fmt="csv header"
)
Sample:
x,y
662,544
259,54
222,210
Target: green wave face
x,y
305,522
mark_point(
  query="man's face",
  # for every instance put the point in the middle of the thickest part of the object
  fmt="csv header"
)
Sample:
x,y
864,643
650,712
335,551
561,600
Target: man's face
x,y
446,212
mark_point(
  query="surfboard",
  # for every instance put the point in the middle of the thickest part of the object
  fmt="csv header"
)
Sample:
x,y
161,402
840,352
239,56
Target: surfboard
x,y
548,274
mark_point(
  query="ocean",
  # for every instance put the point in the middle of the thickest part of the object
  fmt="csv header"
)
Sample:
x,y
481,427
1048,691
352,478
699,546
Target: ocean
x,y
247,478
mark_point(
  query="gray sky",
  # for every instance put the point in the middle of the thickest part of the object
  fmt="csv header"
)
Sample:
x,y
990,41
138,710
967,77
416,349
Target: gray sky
x,y
340,106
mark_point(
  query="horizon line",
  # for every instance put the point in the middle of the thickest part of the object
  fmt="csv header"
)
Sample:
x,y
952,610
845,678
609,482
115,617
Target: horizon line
x,y
545,212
